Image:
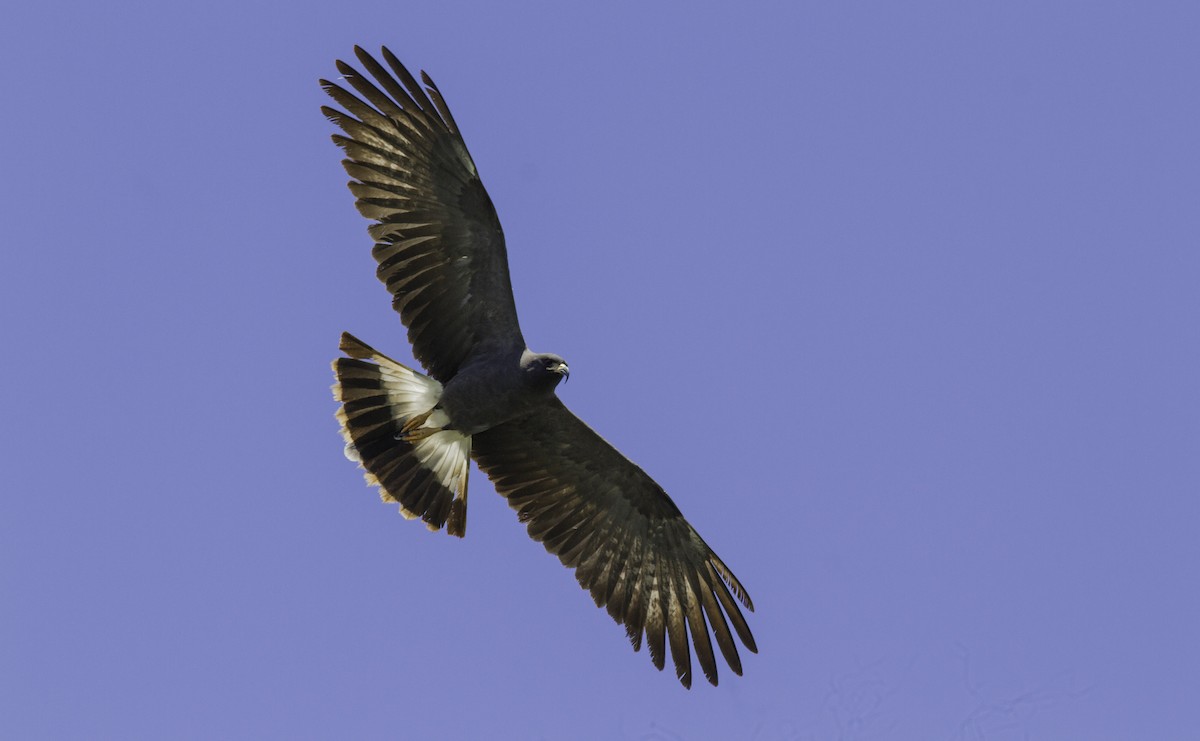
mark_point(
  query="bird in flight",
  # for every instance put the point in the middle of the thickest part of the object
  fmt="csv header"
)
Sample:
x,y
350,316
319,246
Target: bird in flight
x,y
440,252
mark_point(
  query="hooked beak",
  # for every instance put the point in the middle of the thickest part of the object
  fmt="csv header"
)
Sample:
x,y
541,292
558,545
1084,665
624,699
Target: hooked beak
x,y
563,371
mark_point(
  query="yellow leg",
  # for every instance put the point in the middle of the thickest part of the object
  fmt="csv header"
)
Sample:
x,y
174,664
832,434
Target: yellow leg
x,y
412,431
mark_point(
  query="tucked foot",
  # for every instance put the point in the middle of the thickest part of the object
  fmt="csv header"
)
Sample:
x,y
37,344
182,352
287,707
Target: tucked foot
x,y
412,431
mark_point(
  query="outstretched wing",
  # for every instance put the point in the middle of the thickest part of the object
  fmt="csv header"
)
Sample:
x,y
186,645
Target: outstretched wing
x,y
439,244
627,541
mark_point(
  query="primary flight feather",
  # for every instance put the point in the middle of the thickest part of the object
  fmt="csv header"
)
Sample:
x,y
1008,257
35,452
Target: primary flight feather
x,y
440,251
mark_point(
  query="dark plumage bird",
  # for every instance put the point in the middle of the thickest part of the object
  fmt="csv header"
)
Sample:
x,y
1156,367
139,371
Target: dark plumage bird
x,y
441,253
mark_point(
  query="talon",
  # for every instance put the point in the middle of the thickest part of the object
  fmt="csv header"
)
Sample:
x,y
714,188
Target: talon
x,y
412,431
414,422
419,434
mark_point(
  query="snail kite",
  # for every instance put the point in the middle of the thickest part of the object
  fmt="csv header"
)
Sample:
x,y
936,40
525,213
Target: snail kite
x,y
440,251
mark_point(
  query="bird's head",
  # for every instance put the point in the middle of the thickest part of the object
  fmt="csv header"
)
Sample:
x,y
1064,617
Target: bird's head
x,y
545,370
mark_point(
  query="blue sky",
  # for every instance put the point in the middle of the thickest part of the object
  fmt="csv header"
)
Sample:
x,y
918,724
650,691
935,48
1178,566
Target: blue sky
x,y
898,301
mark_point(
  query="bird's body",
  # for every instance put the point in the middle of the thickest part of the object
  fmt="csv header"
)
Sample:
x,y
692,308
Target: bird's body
x,y
440,251
498,387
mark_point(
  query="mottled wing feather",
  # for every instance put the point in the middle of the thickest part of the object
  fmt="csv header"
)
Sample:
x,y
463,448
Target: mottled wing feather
x,y
627,541
439,245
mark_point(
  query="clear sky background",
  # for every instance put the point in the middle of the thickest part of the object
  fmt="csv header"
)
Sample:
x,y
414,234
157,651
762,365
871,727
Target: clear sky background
x,y
900,301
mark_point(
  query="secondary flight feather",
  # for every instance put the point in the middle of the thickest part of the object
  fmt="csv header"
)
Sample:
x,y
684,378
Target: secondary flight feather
x,y
440,251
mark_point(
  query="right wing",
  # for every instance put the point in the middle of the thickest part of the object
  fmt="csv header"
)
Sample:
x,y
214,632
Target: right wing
x,y
439,244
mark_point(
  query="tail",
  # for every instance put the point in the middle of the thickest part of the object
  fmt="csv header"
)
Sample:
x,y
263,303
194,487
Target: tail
x,y
428,478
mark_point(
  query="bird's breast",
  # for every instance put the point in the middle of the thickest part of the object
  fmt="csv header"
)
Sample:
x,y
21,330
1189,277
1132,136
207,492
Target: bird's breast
x,y
481,397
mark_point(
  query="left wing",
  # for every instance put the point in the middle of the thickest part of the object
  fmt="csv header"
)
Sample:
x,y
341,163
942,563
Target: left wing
x,y
627,541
